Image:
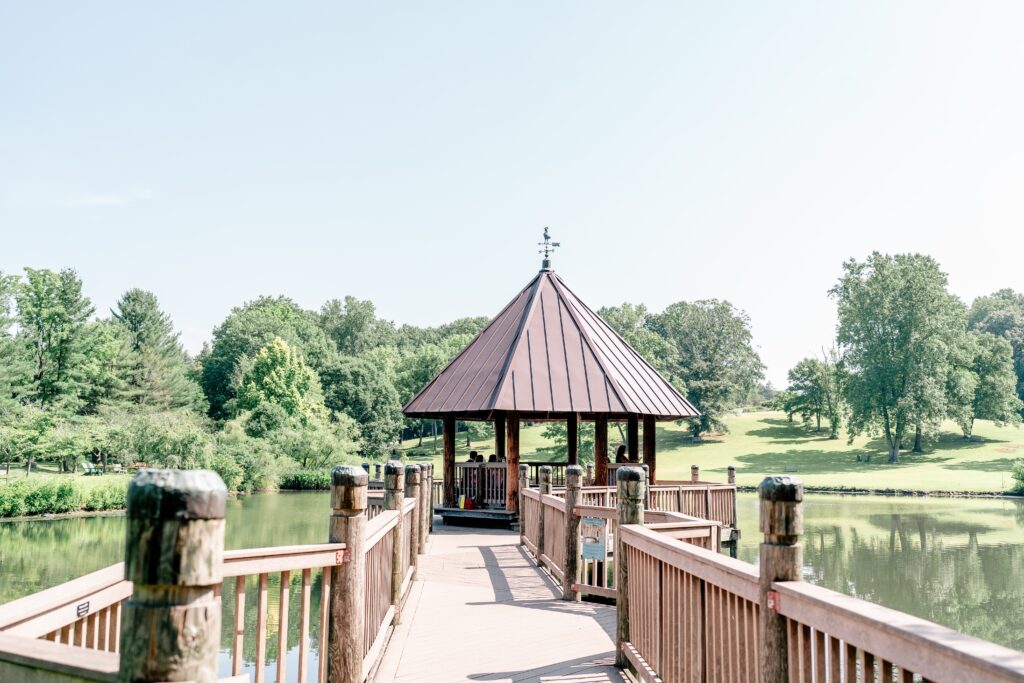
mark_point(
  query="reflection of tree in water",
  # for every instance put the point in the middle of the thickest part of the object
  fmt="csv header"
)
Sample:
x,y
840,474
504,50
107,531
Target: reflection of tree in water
x,y
924,568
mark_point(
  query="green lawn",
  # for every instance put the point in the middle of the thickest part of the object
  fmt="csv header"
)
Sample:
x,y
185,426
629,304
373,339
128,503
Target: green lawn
x,y
764,443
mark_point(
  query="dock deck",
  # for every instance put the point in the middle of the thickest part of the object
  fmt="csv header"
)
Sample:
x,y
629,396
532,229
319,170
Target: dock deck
x,y
481,610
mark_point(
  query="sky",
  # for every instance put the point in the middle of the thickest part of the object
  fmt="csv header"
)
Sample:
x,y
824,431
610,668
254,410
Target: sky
x,y
411,153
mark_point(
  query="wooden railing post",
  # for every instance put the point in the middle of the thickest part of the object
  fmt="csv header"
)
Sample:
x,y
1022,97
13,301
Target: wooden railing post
x,y
694,473
426,512
348,581
544,486
571,570
647,486
589,481
782,522
174,553
731,474
430,498
376,470
412,490
394,499
524,483
630,484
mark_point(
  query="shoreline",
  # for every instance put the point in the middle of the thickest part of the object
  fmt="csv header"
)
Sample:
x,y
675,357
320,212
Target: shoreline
x,y
897,492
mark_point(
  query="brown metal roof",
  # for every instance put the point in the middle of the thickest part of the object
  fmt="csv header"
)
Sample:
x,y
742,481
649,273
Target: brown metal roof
x,y
547,353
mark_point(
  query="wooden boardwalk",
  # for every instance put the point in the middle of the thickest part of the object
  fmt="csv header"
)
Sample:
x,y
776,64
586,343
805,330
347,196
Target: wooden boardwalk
x,y
482,611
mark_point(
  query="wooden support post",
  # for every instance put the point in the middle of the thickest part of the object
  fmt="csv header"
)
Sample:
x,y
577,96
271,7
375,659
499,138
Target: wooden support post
x,y
589,480
731,474
630,483
524,483
633,438
782,522
348,581
647,486
499,437
449,463
412,490
601,451
174,553
694,473
512,471
572,435
430,499
571,570
425,511
650,450
394,498
376,470
544,486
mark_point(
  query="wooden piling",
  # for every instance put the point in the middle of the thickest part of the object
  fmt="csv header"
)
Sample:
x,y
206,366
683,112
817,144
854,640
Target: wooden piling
x,y
782,522
450,500
394,499
601,451
544,486
174,552
630,484
412,490
345,636
425,509
650,448
731,474
524,483
571,570
694,473
430,498
512,455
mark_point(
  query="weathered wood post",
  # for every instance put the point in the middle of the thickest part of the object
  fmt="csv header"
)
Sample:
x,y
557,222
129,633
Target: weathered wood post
x,y
731,474
394,498
571,570
630,483
430,498
412,490
782,522
524,483
589,481
425,510
174,552
544,486
376,470
647,486
694,473
601,451
348,581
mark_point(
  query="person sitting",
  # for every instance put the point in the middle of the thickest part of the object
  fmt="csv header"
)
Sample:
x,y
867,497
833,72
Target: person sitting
x,y
620,455
472,456
493,458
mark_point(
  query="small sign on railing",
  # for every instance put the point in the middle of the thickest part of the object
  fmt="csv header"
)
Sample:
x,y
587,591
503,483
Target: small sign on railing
x,y
82,609
594,538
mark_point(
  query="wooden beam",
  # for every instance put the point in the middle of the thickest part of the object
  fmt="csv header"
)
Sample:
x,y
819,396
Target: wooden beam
x,y
650,450
512,456
449,462
633,438
601,451
572,439
499,435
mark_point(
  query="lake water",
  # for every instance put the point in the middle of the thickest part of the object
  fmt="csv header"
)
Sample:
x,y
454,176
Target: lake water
x,y
955,561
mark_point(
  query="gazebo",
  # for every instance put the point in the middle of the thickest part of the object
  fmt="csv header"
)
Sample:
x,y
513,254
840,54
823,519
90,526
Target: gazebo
x,y
546,356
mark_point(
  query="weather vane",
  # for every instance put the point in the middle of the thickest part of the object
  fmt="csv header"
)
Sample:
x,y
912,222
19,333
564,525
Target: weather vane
x,y
547,248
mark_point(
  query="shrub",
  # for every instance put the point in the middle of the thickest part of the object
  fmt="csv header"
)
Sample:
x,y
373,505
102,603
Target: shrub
x,y
1018,476
43,497
109,496
307,480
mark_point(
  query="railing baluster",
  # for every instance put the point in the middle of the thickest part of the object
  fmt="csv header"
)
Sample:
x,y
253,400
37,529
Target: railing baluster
x,y
304,625
282,631
261,629
325,612
237,660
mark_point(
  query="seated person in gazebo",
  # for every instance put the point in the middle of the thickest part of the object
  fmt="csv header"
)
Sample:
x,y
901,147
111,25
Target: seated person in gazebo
x,y
472,456
493,458
620,454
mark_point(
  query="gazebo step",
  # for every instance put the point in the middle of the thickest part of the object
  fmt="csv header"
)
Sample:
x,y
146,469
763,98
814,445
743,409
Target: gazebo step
x,y
485,518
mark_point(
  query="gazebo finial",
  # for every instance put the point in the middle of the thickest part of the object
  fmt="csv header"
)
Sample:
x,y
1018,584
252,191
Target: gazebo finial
x,y
547,248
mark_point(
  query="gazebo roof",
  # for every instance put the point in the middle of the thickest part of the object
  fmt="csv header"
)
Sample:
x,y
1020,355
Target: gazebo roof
x,y
547,354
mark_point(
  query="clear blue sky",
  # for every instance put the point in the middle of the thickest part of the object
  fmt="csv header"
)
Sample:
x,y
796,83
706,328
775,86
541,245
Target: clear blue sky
x,y
410,153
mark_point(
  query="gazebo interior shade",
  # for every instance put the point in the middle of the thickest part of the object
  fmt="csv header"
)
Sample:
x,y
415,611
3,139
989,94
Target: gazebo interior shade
x,y
548,354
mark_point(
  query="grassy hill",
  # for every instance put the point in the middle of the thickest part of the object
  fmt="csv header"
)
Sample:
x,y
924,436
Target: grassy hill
x,y
764,443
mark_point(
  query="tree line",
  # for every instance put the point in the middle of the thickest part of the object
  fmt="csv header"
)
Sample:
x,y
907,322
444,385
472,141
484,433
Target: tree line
x,y
909,355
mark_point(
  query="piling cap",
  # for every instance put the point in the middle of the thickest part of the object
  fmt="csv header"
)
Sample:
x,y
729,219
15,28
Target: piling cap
x,y
629,474
349,475
781,489
523,469
393,467
177,495
574,469
545,469
412,472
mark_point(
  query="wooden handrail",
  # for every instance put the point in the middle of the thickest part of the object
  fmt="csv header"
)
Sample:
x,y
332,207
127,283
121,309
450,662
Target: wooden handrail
x,y
935,652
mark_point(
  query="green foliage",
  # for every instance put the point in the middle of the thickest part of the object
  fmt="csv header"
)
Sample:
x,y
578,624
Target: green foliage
x,y
815,392
279,376
238,339
307,480
1002,314
558,433
24,497
715,357
1018,476
900,331
994,395
353,326
361,391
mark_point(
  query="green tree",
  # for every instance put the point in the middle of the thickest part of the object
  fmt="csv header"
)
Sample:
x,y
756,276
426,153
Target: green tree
x,y
278,375
807,386
995,392
898,328
14,367
558,433
1002,314
353,326
715,357
360,390
238,339
52,316
158,372
832,390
